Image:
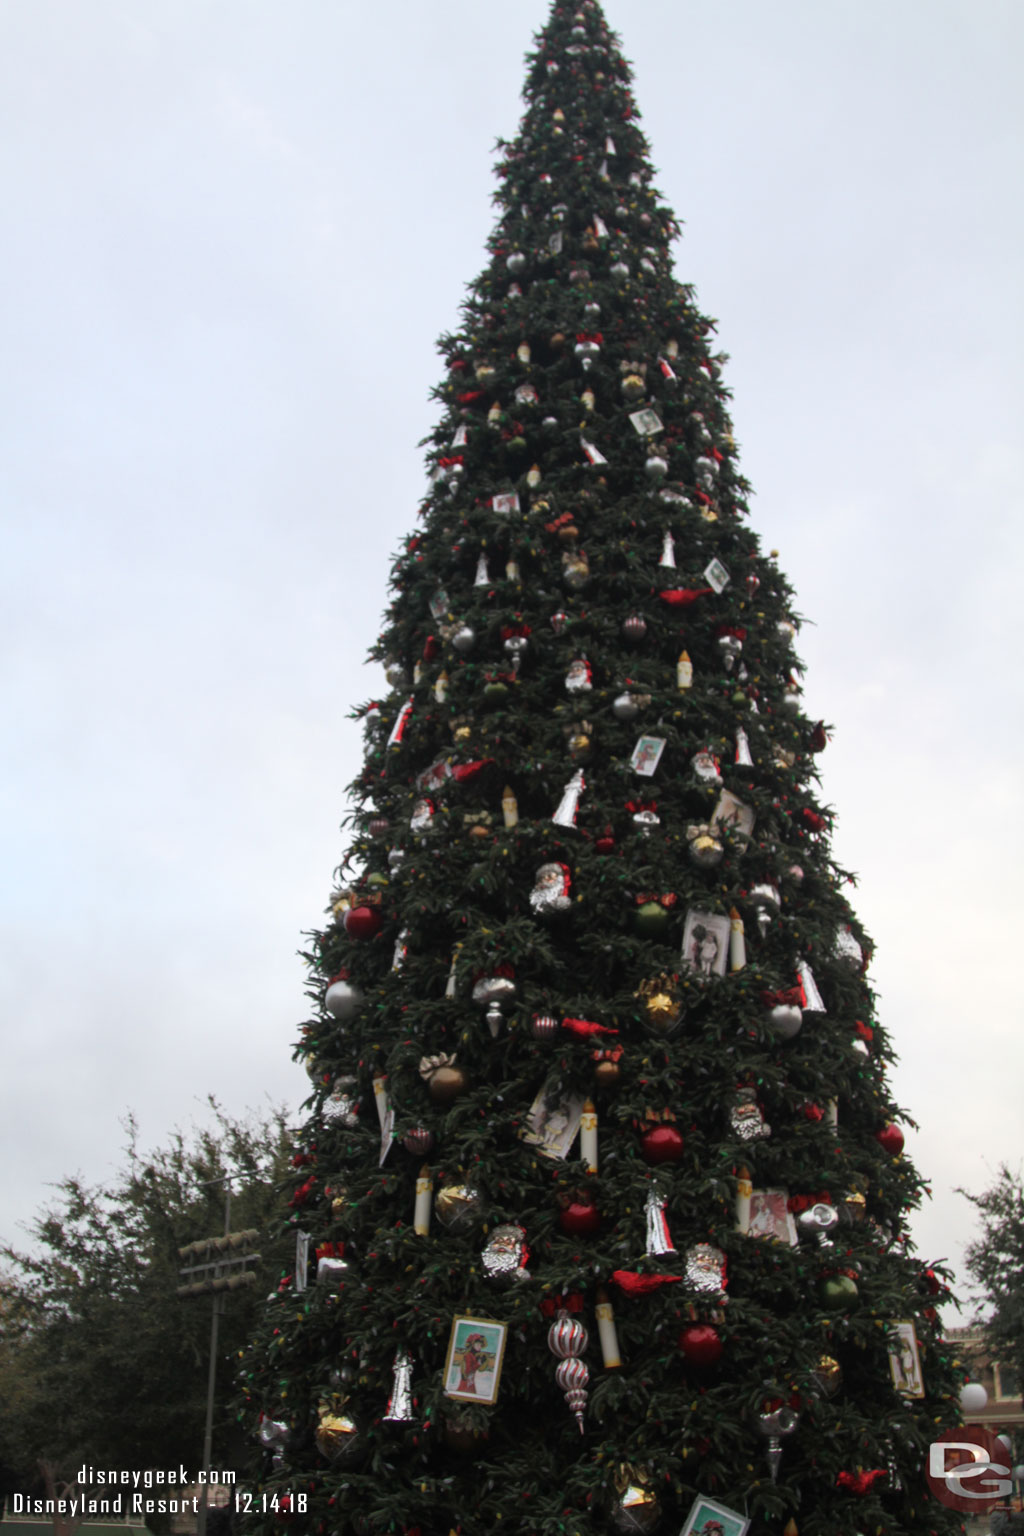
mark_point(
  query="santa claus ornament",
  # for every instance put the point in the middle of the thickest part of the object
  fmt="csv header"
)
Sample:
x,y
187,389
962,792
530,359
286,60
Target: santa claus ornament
x,y
550,894
579,678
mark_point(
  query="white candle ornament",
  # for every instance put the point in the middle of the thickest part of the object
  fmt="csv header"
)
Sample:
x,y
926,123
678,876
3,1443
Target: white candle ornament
x,y
424,1197
606,1333
588,1136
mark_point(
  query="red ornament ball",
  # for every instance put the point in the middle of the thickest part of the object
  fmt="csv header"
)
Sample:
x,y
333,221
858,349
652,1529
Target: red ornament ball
x,y
700,1344
544,1026
890,1138
418,1140
580,1217
662,1144
362,922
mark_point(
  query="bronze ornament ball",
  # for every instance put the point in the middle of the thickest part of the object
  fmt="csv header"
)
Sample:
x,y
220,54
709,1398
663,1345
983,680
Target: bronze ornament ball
x,y
446,1084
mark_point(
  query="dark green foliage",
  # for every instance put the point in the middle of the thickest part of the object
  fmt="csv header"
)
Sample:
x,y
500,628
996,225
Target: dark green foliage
x,y
460,728
102,1363
995,1261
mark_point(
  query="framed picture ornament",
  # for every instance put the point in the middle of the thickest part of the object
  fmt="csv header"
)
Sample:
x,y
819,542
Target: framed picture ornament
x,y
553,1122
646,422
730,813
904,1359
647,755
472,1367
708,1518
706,942
771,1217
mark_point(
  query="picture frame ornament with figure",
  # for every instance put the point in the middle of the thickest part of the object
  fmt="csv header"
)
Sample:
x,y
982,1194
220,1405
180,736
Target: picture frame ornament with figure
x,y
553,1123
472,1367
709,1518
647,755
706,942
731,814
646,422
771,1217
904,1359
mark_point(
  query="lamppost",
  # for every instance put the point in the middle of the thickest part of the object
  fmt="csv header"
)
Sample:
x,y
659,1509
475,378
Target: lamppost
x,y
214,1265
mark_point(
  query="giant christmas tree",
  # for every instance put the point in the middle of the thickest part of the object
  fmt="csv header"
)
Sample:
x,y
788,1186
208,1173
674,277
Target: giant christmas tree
x,y
601,1208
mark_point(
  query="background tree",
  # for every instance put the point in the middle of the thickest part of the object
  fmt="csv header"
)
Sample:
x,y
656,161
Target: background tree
x,y
995,1261
594,956
101,1362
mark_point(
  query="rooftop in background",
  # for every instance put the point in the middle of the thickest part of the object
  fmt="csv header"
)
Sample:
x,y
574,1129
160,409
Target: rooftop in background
x,y
1004,1409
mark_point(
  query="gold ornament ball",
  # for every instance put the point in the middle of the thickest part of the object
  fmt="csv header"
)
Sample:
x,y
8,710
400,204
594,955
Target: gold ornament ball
x,y
337,1436
828,1373
706,851
446,1084
460,1436
855,1206
636,1511
662,1009
606,1074
457,1206
337,1194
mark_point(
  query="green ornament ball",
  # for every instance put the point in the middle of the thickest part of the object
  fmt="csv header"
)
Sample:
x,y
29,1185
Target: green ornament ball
x,y
837,1293
651,920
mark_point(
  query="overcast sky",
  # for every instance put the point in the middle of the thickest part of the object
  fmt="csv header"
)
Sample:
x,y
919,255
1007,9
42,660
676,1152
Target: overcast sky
x,y
233,231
